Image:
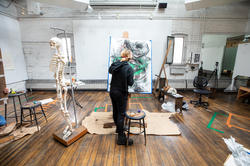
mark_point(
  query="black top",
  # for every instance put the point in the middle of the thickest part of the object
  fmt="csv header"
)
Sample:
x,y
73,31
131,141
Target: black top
x,y
122,76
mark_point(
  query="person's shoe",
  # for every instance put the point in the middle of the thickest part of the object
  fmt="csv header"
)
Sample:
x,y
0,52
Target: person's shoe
x,y
130,141
122,140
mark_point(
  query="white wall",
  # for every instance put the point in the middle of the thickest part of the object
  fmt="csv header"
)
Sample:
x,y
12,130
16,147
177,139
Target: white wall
x,y
91,34
92,42
213,51
242,60
248,27
11,46
35,38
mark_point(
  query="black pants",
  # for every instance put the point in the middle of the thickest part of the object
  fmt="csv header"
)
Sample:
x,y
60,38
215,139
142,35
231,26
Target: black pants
x,y
119,103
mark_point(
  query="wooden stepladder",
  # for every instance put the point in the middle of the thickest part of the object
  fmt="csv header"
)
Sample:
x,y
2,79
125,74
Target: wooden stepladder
x,y
156,94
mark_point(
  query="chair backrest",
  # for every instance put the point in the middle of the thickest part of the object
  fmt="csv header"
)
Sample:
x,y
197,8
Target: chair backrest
x,y
200,82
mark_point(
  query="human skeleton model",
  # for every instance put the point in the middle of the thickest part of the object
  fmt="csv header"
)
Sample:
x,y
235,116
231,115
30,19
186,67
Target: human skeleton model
x,y
57,64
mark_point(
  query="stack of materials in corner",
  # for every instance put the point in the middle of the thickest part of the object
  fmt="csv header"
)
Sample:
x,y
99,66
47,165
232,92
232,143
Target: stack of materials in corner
x,y
240,155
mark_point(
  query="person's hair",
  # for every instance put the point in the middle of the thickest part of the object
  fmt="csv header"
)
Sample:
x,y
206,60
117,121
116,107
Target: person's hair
x,y
125,53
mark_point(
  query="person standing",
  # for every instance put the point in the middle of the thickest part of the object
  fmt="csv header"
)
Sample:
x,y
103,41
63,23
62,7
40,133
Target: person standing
x,y
122,77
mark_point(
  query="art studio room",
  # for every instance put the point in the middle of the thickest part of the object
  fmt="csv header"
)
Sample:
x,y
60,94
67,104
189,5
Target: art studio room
x,y
125,82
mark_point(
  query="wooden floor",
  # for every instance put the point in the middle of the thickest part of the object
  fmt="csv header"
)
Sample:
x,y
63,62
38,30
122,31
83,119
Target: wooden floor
x,y
197,145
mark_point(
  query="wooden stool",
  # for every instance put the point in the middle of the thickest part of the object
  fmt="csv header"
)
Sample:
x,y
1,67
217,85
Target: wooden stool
x,y
138,116
243,92
18,95
178,100
31,106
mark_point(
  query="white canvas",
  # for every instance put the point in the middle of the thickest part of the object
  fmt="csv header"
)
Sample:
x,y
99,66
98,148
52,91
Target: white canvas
x,y
141,62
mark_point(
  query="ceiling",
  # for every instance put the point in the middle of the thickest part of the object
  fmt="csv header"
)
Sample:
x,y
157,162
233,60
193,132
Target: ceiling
x,y
199,4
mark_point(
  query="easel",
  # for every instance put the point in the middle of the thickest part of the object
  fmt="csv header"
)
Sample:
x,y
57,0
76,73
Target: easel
x,y
200,72
156,94
215,72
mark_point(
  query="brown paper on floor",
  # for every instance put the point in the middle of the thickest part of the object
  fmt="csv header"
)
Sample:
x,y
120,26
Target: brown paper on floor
x,y
23,131
157,123
8,129
17,134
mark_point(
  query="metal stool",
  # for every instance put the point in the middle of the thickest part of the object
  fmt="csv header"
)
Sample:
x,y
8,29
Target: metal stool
x,y
137,116
18,95
31,106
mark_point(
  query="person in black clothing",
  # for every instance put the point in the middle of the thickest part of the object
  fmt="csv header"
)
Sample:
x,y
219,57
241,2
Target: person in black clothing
x,y
122,77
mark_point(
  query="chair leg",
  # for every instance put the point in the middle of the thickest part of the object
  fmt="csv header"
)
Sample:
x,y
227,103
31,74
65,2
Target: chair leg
x,y
30,115
200,99
129,122
26,97
140,125
21,116
19,99
5,112
125,123
34,111
144,131
43,113
15,109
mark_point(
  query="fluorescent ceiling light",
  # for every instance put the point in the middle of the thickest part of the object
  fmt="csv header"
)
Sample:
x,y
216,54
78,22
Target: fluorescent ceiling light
x,y
82,1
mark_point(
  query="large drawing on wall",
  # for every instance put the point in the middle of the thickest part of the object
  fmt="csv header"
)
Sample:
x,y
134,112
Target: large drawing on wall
x,y
141,62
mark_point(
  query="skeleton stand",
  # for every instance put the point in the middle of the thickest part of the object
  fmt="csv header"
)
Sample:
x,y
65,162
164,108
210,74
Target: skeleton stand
x,y
79,130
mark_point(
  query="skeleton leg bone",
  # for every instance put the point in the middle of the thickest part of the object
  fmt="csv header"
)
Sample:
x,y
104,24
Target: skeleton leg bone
x,y
68,130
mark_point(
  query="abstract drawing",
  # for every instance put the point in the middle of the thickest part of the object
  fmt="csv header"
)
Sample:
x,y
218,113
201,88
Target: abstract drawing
x,y
141,62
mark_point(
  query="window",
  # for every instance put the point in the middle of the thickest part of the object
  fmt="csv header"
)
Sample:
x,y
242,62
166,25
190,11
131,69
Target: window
x,y
65,47
70,43
178,50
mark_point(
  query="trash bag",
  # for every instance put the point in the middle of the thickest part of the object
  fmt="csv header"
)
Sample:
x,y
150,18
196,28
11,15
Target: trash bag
x,y
184,105
241,155
2,121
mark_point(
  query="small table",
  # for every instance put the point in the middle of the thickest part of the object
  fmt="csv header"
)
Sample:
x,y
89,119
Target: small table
x,y
18,94
178,100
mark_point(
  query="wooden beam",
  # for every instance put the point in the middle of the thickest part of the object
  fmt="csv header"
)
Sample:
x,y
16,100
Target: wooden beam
x,y
162,68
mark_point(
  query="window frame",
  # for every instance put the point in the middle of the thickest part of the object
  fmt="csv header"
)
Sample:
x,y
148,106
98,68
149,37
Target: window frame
x,y
71,37
73,63
184,49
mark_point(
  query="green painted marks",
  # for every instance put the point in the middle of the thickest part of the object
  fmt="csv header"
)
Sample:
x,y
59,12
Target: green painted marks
x,y
132,65
116,59
212,119
29,98
140,97
99,108
138,72
140,66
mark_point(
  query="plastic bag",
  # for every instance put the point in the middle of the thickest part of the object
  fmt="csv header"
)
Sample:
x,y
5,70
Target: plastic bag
x,y
241,155
2,121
